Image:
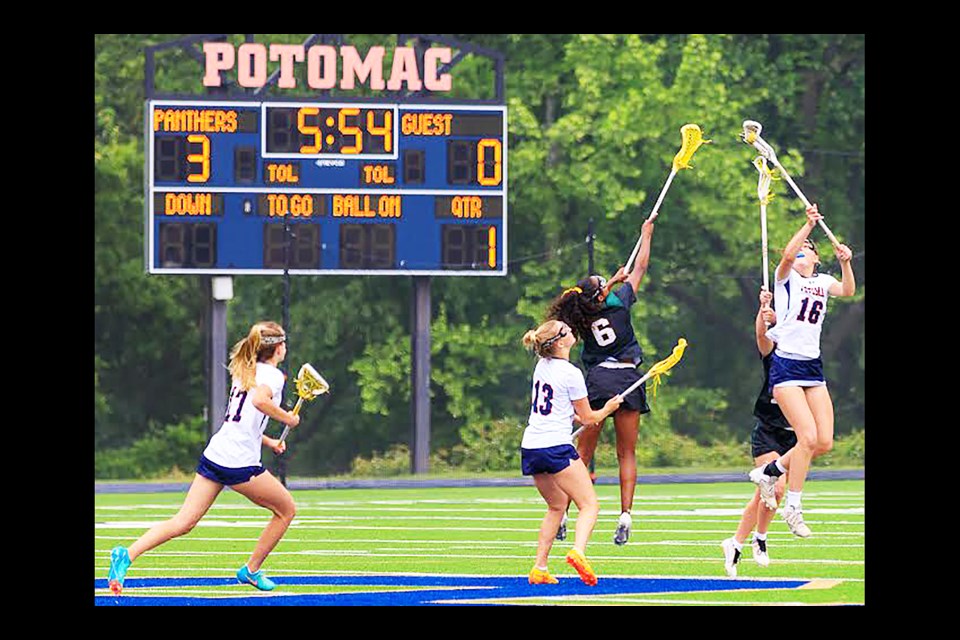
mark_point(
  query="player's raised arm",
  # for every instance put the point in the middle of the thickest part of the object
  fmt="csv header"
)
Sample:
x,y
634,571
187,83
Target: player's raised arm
x,y
796,242
848,285
643,257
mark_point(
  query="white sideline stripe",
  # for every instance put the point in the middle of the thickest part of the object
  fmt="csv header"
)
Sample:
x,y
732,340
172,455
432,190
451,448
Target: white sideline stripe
x,y
186,572
394,553
638,513
341,527
738,503
320,504
455,543
566,601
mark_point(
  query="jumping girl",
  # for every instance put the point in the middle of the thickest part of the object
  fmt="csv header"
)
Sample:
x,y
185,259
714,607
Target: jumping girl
x,y
610,355
796,371
771,438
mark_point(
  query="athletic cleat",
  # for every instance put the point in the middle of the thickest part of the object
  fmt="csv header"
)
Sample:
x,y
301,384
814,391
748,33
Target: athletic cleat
x,y
541,576
119,563
258,579
794,519
622,533
579,562
760,553
731,556
562,529
766,483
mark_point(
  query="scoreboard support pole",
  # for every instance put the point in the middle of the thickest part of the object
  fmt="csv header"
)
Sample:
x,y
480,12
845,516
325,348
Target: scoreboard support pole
x,y
420,375
221,291
281,466
591,237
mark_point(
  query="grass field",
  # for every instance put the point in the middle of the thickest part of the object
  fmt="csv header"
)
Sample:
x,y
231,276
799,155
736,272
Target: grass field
x,y
476,545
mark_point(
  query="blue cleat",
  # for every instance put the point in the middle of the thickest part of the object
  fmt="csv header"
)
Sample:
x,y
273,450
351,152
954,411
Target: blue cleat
x,y
258,579
119,563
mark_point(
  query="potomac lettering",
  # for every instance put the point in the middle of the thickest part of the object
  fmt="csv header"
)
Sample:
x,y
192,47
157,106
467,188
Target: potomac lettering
x,y
250,60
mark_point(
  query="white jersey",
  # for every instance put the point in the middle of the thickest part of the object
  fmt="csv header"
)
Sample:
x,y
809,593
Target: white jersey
x,y
238,441
801,305
556,384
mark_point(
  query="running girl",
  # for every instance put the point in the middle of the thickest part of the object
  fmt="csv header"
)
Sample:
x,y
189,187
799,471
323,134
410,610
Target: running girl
x,y
232,458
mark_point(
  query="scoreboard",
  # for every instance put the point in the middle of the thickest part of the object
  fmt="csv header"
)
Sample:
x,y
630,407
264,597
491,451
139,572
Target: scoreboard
x,y
364,188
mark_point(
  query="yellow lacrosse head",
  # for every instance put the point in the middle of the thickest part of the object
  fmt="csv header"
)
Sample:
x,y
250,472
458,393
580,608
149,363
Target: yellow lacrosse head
x,y
766,176
751,130
667,363
310,383
692,138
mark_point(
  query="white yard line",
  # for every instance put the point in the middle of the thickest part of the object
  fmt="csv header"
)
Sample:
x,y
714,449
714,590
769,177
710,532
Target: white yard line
x,y
400,553
343,527
455,543
535,515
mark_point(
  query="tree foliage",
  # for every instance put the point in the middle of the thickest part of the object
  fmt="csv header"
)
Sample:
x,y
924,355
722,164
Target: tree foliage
x,y
594,123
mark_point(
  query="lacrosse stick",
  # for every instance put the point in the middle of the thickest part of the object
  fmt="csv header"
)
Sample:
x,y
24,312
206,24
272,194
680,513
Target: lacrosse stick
x,y
655,372
751,135
764,195
310,384
692,138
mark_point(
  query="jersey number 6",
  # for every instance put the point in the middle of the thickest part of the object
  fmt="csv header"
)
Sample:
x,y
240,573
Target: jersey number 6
x,y
603,332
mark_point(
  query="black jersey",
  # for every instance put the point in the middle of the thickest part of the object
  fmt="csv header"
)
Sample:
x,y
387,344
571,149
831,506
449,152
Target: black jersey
x,y
765,409
611,333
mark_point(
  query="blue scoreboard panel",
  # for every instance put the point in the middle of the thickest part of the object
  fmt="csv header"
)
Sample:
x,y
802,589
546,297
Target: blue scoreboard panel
x,y
365,188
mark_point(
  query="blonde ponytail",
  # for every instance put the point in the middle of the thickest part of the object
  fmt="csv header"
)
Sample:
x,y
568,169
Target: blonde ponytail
x,y
542,340
259,345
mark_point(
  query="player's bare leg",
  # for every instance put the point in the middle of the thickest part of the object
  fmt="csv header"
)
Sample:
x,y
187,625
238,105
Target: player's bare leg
x,y
200,496
268,492
627,423
794,405
575,482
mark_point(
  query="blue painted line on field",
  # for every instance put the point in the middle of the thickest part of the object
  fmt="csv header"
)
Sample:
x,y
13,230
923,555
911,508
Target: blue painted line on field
x,y
462,589
665,478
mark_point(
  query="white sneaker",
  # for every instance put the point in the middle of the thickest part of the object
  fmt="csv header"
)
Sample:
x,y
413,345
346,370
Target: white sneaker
x,y
760,553
623,529
731,556
766,483
794,519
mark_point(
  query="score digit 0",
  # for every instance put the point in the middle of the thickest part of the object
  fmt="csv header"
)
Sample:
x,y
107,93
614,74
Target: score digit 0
x,y
489,143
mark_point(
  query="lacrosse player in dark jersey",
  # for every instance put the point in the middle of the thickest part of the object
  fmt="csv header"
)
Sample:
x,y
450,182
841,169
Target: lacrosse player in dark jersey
x,y
611,353
771,438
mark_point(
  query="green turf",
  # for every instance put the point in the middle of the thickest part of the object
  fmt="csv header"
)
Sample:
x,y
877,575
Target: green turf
x,y
493,531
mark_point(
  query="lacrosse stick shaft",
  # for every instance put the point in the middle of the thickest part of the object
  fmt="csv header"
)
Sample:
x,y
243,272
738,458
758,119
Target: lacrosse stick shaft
x,y
296,410
622,394
806,202
763,244
652,216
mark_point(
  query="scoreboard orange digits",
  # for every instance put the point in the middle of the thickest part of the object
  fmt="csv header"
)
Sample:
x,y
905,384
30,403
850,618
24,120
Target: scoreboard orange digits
x,y
240,185
202,158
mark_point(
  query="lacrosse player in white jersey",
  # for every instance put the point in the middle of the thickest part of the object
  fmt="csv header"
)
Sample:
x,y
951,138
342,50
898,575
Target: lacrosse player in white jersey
x,y
547,453
232,458
796,371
